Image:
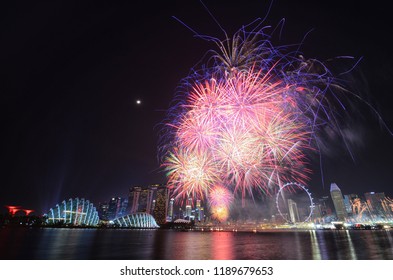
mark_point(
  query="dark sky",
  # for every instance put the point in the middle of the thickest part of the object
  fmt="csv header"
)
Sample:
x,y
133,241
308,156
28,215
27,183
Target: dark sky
x,y
71,74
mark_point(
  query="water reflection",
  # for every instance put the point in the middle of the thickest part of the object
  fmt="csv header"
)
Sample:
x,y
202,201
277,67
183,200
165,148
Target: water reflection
x,y
352,252
316,252
222,245
20,243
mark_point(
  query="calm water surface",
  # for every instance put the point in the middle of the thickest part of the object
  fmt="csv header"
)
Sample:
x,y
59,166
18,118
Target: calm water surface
x,y
106,244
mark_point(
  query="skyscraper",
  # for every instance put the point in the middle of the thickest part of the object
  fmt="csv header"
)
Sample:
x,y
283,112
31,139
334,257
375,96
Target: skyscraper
x,y
293,211
133,199
114,208
103,210
188,207
338,202
170,210
141,199
197,209
160,207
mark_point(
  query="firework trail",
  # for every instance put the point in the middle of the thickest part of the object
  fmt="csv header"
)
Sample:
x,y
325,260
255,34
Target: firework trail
x,y
244,121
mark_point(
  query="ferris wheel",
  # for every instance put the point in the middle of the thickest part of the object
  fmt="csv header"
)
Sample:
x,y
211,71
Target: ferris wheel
x,y
294,189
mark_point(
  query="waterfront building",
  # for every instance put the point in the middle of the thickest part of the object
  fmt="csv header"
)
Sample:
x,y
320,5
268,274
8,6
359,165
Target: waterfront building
x,y
293,211
75,212
136,220
143,199
114,208
161,206
338,202
188,207
170,210
317,214
197,209
201,214
133,199
123,207
103,210
325,205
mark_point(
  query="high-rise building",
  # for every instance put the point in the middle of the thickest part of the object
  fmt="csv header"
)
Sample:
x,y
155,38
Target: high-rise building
x,y
123,208
375,203
188,211
143,199
197,209
153,199
325,205
170,210
114,208
293,211
133,199
103,210
201,214
317,213
338,202
161,206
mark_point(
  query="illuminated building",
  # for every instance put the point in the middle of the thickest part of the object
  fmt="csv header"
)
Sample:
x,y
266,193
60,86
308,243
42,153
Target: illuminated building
x,y
123,208
103,210
76,212
136,220
114,207
325,206
201,216
133,199
12,210
145,201
317,213
198,210
188,207
375,203
293,211
170,209
160,207
142,199
338,202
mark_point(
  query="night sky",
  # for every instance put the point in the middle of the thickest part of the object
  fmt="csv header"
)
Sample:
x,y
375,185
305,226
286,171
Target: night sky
x,y
71,74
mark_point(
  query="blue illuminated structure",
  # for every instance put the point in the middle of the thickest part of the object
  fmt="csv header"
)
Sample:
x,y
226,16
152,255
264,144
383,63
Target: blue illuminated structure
x,y
74,212
136,220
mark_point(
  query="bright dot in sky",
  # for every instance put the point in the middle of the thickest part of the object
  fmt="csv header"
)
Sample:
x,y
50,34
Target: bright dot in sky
x,y
138,101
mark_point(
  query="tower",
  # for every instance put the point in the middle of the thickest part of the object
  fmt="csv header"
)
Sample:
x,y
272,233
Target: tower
x,y
293,211
160,207
133,199
198,210
338,202
170,210
188,207
114,206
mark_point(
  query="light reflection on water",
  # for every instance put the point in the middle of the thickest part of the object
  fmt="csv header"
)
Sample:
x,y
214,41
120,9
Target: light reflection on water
x,y
24,243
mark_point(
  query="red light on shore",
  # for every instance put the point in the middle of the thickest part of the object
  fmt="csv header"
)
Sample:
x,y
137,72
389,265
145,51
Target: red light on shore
x,y
14,209
28,211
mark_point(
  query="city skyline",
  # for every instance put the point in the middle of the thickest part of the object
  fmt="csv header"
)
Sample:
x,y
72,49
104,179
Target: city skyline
x,y
84,94
294,208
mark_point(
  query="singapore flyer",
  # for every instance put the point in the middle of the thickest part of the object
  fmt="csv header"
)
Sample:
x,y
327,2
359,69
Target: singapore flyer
x,y
294,203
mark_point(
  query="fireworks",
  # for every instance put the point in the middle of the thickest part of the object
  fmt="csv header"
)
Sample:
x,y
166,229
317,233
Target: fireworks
x,y
244,122
220,200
